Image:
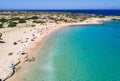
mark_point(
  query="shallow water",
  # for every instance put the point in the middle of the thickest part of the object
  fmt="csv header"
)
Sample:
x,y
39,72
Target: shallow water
x,y
79,53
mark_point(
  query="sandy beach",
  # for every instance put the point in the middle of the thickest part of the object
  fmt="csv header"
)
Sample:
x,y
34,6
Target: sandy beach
x,y
19,44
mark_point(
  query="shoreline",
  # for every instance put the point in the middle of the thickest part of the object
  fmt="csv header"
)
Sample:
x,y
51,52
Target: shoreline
x,y
33,47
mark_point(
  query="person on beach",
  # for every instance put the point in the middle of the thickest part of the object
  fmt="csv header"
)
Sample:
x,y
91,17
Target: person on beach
x,y
12,67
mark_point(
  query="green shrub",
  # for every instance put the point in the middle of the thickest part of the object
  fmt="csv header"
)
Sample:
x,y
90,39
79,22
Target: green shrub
x,y
101,16
12,24
115,19
39,22
34,21
1,26
33,25
65,20
34,17
15,18
3,20
54,19
22,21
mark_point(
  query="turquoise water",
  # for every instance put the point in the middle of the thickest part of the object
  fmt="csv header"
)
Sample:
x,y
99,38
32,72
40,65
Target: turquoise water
x,y
78,53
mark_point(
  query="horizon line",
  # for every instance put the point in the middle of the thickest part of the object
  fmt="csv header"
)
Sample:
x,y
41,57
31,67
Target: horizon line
x,y
60,9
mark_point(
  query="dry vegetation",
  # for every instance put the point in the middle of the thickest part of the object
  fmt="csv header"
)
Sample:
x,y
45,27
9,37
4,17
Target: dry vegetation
x,y
13,18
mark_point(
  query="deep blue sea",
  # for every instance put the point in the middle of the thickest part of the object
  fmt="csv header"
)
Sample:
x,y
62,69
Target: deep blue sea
x,y
78,53
112,12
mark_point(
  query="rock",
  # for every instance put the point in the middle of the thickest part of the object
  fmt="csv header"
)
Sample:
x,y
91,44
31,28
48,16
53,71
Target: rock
x,y
11,53
18,68
30,59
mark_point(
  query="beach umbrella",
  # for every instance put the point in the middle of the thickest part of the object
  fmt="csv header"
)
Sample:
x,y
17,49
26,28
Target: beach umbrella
x,y
14,43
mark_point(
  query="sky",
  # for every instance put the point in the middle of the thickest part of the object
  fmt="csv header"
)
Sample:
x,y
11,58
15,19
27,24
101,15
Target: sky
x,y
59,4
